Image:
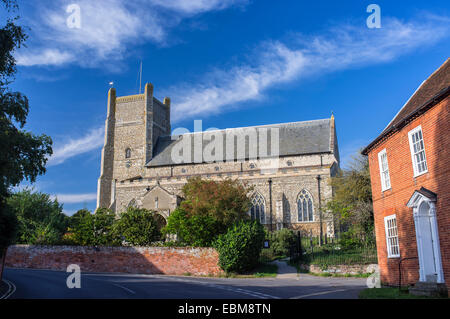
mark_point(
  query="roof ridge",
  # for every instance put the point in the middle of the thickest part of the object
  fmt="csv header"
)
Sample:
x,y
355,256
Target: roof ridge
x,y
254,126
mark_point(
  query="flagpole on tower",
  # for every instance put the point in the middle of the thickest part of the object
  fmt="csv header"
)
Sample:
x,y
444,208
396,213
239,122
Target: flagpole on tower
x,y
140,79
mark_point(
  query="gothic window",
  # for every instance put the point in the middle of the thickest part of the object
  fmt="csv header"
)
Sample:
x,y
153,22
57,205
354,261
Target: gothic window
x,y
252,166
128,153
257,211
305,207
156,203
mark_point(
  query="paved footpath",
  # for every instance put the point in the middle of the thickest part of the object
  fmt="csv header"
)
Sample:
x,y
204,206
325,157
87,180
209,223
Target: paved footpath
x,y
286,271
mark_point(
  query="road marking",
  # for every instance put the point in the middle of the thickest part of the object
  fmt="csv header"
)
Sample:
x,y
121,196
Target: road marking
x,y
11,289
125,288
317,294
223,287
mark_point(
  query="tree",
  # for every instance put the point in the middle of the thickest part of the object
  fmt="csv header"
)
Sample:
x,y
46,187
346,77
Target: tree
x,y
96,229
40,219
226,201
196,230
208,210
352,201
137,226
23,155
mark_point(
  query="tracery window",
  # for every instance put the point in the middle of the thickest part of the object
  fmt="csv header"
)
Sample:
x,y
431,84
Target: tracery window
x,y
305,207
258,209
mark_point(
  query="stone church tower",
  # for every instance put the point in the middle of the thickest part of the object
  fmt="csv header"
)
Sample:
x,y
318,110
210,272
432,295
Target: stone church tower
x,y
132,128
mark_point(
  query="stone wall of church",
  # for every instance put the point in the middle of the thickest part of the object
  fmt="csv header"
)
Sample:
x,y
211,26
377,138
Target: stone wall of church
x,y
287,183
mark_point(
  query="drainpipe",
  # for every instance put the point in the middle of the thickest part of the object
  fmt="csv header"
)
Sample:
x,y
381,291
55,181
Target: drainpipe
x,y
320,209
270,202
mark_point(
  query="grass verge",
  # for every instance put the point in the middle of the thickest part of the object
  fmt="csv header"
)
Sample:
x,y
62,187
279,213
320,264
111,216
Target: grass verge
x,y
390,293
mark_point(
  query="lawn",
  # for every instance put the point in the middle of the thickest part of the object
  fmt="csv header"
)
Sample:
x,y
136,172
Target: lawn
x,y
389,293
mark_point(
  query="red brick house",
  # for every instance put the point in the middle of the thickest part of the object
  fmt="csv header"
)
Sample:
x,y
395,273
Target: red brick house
x,y
410,177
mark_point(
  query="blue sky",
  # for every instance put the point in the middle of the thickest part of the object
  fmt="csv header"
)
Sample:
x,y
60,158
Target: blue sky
x,y
230,63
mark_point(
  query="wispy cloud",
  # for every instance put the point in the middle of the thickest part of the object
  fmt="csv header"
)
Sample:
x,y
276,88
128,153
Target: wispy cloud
x,y
108,28
75,198
341,48
73,147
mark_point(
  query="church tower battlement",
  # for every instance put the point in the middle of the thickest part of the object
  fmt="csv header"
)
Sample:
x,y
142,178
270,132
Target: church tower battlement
x,y
132,127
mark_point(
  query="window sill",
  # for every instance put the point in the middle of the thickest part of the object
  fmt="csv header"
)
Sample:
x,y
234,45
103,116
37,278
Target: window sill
x,y
420,174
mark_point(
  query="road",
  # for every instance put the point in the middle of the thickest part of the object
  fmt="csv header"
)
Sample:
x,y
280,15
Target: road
x,y
48,284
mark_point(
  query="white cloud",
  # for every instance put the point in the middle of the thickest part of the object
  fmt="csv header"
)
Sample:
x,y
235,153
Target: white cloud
x,y
75,198
46,57
197,6
73,147
341,48
108,28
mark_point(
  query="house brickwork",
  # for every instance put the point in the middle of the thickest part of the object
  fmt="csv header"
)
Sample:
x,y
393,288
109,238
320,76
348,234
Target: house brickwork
x,y
434,119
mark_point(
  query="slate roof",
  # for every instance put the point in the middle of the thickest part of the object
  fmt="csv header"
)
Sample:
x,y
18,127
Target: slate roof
x,y
297,138
429,93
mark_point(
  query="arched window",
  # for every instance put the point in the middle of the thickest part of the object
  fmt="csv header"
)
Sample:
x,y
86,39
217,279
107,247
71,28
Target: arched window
x,y
305,207
128,153
258,209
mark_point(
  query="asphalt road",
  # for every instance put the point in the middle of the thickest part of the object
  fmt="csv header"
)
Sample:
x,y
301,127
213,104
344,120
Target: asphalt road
x,y
47,284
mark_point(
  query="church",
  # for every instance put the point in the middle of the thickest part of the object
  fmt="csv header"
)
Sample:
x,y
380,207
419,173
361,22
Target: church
x,y
145,164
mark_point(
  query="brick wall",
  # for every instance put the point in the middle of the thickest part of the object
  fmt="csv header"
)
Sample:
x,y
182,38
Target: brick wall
x,y
436,133
135,260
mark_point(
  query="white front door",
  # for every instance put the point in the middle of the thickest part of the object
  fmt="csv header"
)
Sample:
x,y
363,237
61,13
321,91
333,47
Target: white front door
x,y
428,260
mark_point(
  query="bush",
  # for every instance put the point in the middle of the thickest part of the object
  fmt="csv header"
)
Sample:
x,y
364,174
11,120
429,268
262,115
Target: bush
x,y
280,242
197,231
40,218
137,226
88,229
239,249
348,240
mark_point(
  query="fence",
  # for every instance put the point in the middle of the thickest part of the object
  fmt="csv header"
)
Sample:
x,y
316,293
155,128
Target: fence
x,y
338,250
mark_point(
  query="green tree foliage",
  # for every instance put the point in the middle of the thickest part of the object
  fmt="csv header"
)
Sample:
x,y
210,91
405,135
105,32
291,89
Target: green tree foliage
x,y
23,155
40,219
352,201
226,201
208,210
281,241
96,229
137,226
240,248
196,230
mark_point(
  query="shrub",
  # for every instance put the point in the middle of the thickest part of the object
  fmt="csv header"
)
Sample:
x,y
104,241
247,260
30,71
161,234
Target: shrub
x,y
197,231
239,249
40,218
348,240
280,242
93,229
137,226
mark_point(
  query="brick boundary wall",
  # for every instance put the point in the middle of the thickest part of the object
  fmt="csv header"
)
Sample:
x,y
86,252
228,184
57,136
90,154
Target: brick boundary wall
x,y
134,260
